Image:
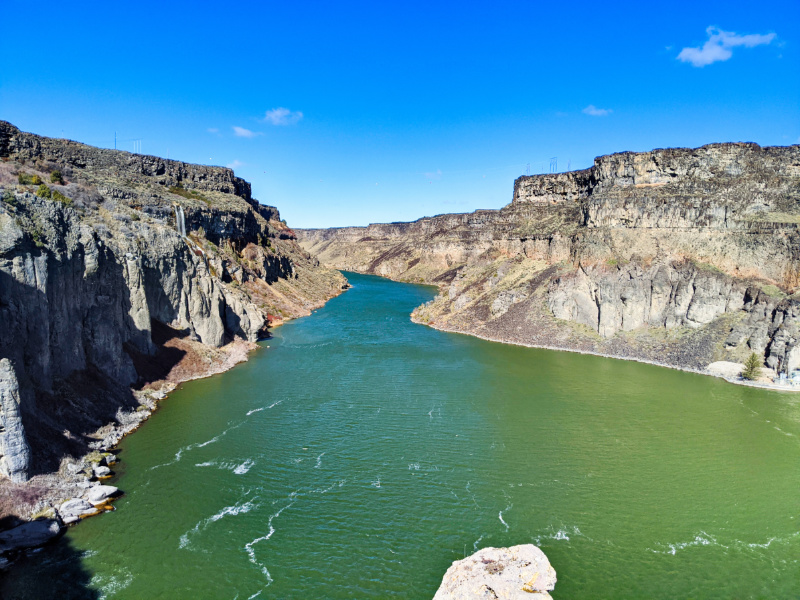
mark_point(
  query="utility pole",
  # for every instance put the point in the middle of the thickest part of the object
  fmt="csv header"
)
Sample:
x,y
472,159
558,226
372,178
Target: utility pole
x,y
115,140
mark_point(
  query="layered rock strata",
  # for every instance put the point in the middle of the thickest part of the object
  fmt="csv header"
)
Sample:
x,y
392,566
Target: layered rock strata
x,y
678,256
115,269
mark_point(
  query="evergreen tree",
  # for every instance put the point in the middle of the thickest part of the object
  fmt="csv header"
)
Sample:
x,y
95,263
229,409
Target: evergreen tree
x,y
752,367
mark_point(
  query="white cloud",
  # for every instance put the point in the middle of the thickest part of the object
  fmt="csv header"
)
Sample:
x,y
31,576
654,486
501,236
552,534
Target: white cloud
x,y
593,111
719,44
433,175
282,116
245,133
212,130
235,164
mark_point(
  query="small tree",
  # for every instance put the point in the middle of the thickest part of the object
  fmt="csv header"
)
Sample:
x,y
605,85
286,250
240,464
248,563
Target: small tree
x,y
55,177
752,367
44,192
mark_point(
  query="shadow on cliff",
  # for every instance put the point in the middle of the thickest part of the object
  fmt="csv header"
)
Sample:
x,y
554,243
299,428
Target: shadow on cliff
x,y
54,571
154,367
71,349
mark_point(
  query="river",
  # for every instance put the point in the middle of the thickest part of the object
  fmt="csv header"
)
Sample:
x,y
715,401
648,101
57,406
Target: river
x,y
357,454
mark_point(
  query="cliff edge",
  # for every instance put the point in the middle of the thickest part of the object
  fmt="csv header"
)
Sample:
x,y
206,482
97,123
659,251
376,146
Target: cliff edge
x,y
121,275
679,256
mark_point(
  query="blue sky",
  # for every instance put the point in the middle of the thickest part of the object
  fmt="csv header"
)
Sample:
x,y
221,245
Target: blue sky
x,y
351,113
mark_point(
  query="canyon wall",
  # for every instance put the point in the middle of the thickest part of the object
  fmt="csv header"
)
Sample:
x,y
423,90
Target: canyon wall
x,y
680,256
111,248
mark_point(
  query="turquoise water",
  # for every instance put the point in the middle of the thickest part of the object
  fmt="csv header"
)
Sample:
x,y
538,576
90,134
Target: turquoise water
x,y
357,455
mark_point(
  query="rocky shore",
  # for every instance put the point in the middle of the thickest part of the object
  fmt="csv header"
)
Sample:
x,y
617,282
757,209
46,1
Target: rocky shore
x,y
121,275
679,257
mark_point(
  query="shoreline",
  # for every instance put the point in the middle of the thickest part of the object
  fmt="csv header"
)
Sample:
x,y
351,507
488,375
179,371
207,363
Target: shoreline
x,y
77,478
696,371
756,384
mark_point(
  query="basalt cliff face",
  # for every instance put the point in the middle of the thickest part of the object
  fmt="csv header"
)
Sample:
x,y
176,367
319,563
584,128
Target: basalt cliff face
x,y
117,267
678,256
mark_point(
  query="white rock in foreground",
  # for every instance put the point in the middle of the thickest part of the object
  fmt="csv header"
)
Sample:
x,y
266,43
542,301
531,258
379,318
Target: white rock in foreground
x,y
499,573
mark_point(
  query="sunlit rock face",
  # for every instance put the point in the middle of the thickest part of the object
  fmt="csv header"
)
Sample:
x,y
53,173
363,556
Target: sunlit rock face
x,y
679,256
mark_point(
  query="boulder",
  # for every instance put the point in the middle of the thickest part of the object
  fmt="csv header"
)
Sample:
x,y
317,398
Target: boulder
x,y
74,509
102,471
518,572
100,494
29,535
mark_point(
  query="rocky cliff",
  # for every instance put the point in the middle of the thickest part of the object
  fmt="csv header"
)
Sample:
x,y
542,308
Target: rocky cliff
x,y
116,267
679,256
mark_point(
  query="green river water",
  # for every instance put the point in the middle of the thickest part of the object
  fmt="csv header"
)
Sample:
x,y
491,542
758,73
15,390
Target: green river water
x,y
358,454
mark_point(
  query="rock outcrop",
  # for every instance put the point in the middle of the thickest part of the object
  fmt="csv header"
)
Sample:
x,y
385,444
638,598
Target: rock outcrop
x,y
516,573
105,257
14,450
678,256
29,535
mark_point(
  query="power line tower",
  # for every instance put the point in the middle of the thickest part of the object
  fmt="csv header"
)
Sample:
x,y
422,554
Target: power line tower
x,y
528,169
554,164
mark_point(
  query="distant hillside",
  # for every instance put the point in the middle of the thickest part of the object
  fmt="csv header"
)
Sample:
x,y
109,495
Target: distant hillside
x,y
678,256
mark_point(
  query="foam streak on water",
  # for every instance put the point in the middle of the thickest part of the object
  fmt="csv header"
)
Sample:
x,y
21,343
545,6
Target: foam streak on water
x,y
213,440
256,410
250,546
236,509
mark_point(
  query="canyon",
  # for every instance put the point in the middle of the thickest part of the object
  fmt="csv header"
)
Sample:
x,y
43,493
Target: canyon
x,y
682,257
122,275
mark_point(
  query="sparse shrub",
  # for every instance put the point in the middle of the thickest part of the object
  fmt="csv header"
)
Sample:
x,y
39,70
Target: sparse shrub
x,y
44,192
9,198
33,228
28,179
752,367
773,291
188,194
59,197
55,177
